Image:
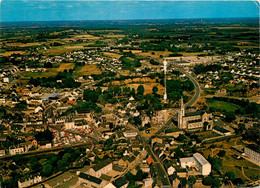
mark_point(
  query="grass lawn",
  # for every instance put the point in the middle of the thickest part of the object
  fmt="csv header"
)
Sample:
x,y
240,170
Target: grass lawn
x,y
221,105
253,174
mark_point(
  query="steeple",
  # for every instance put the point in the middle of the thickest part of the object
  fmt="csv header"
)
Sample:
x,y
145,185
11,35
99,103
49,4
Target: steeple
x,y
181,114
182,107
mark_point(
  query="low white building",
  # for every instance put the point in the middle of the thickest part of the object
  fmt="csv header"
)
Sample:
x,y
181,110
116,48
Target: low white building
x,y
15,151
253,152
197,161
130,134
29,182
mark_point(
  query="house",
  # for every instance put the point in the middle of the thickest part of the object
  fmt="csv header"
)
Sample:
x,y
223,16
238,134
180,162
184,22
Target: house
x,y
15,151
253,152
90,181
197,161
148,182
38,109
171,170
2,152
150,160
101,168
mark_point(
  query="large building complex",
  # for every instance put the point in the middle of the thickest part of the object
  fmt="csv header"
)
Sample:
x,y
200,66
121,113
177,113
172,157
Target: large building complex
x,y
194,120
197,161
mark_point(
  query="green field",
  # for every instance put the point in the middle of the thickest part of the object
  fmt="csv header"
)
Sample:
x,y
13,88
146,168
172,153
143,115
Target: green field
x,y
221,105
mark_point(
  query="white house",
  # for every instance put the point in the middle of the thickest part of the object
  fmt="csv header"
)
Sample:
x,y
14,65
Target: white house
x,y
38,109
171,170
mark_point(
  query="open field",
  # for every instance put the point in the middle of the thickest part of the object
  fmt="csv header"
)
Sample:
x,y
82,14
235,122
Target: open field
x,y
148,87
9,53
90,37
24,44
114,36
112,55
88,70
221,105
50,72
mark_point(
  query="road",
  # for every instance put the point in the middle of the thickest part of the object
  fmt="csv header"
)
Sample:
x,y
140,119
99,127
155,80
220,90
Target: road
x,y
196,96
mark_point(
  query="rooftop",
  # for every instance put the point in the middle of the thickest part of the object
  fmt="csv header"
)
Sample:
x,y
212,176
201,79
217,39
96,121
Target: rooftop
x,y
90,178
200,159
102,165
254,148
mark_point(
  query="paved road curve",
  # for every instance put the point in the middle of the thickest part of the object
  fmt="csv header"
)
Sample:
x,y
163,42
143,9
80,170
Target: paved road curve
x,y
196,96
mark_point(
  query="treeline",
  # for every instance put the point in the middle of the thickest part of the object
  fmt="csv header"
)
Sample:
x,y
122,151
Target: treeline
x,y
175,88
67,81
198,69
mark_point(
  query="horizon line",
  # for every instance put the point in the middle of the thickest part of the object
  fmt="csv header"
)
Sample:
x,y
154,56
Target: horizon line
x,y
132,19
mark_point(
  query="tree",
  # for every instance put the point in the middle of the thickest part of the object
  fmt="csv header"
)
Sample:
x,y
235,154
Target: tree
x,y
221,153
46,170
90,95
140,90
192,180
231,175
230,116
207,180
155,89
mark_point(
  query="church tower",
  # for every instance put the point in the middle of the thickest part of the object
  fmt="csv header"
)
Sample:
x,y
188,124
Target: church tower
x,y
181,114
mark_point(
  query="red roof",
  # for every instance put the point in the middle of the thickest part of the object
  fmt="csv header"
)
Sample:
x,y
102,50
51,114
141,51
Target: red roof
x,y
150,160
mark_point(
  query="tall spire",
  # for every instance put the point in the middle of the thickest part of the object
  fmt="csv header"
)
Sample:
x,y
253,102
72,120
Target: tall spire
x,y
165,71
182,107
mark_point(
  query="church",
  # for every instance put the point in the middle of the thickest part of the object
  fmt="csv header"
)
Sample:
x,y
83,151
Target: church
x,y
194,120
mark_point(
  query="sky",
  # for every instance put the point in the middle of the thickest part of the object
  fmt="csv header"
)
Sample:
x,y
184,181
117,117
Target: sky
x,y
58,10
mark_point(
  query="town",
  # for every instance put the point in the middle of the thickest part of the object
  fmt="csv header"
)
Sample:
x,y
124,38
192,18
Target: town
x,y
136,104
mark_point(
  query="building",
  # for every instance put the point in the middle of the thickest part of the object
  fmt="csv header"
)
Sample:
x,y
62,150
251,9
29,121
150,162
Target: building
x,y
69,125
101,168
15,151
29,182
197,161
222,131
130,134
194,120
253,152
90,181
2,152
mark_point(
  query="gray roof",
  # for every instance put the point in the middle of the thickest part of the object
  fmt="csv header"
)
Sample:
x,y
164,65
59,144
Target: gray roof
x,y
200,159
102,165
90,178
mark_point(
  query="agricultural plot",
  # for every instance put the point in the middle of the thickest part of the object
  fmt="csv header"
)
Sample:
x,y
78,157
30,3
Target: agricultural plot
x,y
50,71
87,70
